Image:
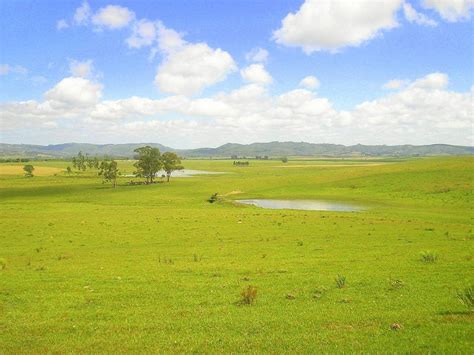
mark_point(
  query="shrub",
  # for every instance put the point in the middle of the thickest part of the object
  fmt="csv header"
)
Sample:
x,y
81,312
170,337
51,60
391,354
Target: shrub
x,y
340,281
428,256
466,297
249,295
395,284
213,198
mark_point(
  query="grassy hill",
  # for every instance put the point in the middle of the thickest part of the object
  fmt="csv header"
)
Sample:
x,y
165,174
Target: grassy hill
x,y
156,268
271,149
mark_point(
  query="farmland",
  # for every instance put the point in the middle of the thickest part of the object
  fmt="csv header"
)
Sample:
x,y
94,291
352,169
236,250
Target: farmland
x,y
146,268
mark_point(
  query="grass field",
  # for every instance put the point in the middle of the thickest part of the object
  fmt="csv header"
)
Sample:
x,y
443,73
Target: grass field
x,y
89,268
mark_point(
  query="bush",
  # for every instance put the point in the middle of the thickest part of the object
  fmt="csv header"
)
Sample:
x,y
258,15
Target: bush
x,y
213,198
466,297
428,257
340,281
249,295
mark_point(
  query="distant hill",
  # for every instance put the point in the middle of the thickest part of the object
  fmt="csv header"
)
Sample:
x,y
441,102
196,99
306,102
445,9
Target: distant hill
x,y
271,149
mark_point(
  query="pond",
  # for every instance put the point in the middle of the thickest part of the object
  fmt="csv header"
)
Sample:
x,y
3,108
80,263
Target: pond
x,y
309,205
185,173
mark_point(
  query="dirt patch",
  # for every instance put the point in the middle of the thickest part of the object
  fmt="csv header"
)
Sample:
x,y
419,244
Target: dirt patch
x,y
18,170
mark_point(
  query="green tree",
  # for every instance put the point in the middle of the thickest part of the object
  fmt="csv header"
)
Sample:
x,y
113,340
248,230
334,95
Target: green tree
x,y
92,163
68,170
171,162
148,162
28,169
284,160
79,162
109,171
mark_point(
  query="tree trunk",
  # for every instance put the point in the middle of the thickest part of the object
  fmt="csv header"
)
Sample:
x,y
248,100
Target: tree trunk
x,y
168,177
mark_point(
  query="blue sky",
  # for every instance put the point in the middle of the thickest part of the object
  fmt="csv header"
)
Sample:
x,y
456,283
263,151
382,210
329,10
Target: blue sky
x,y
208,85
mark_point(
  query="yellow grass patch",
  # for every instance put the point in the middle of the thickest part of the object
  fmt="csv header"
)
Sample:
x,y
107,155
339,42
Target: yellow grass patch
x,y
18,170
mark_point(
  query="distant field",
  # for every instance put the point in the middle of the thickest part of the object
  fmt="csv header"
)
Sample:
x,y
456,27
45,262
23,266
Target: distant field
x,y
157,268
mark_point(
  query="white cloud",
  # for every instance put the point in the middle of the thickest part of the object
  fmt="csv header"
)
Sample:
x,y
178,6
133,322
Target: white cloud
x,y
256,73
61,24
421,113
73,92
81,69
189,67
395,84
451,10
14,69
113,17
310,82
82,14
433,81
258,55
329,25
417,17
144,34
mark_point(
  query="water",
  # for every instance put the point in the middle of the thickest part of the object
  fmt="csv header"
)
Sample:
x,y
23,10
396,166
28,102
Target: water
x,y
309,205
185,173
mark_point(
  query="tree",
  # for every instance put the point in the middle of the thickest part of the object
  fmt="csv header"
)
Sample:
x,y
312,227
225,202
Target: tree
x,y
92,163
109,171
28,169
148,162
68,170
284,160
79,162
171,162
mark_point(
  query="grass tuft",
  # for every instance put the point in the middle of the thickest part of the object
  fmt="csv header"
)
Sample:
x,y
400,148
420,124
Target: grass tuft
x,y
3,263
249,295
428,256
466,297
340,281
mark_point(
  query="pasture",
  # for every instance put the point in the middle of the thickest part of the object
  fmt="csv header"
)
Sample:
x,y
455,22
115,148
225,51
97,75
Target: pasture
x,y
148,268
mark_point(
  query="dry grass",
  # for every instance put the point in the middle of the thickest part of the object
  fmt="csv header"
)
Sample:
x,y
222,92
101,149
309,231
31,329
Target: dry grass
x,y
18,170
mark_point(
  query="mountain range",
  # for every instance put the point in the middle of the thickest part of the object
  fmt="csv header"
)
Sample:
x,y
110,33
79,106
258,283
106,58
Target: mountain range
x,y
270,149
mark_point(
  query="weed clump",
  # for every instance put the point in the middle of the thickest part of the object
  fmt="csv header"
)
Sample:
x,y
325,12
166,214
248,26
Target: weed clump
x,y
214,197
395,284
3,264
340,281
249,295
428,256
466,297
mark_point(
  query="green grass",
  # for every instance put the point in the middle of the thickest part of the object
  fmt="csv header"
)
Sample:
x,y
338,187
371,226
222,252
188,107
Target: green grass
x,y
89,268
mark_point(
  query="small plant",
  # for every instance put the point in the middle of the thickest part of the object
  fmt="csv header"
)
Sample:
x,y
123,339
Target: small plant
x,y
428,257
249,295
3,264
213,198
395,284
466,297
299,243
340,281
197,258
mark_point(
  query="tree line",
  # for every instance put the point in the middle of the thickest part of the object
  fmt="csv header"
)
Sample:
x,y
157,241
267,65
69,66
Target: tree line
x,y
149,161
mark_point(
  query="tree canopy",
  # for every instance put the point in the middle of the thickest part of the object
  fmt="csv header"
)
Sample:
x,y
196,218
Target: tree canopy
x,y
148,162
171,162
109,171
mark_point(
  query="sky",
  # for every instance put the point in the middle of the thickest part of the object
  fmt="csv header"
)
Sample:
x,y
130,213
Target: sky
x,y
203,73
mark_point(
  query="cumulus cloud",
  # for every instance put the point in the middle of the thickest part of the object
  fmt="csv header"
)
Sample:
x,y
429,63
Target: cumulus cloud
x,y
433,81
61,24
6,69
113,17
395,84
451,10
144,33
82,69
310,82
82,14
189,67
322,25
258,55
73,92
422,112
256,73
417,17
